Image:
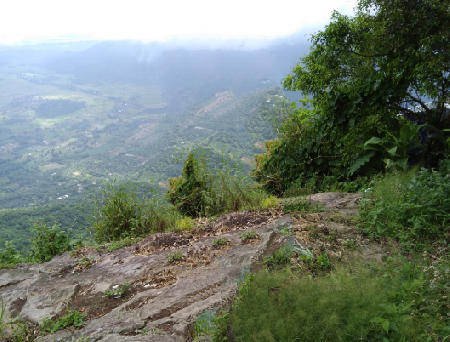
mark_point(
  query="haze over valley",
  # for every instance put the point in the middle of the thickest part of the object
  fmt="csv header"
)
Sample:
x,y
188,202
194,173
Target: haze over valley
x,y
74,116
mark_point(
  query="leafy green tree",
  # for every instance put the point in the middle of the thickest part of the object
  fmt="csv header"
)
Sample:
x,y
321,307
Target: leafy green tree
x,y
362,72
383,61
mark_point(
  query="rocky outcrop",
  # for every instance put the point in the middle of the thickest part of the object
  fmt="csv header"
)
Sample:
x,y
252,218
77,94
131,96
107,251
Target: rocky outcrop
x,y
164,298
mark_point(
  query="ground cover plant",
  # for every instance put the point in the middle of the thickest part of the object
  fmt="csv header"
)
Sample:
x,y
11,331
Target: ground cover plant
x,y
251,235
397,301
112,246
175,256
421,213
283,255
118,290
298,204
186,223
71,318
12,328
220,242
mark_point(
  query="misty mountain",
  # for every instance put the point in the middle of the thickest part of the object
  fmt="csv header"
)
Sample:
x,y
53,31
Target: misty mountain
x,y
185,75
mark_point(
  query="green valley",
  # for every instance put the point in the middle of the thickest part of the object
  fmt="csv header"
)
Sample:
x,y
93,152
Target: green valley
x,y
64,135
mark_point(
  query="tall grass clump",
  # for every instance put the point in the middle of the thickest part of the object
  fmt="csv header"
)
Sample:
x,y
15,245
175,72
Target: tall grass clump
x,y
122,212
396,301
202,191
12,329
411,207
282,308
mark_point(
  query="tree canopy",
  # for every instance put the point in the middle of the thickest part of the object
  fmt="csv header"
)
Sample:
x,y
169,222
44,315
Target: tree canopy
x,y
392,54
367,76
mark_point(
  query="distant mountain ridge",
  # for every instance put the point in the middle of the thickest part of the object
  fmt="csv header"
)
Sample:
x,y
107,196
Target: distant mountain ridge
x,y
181,72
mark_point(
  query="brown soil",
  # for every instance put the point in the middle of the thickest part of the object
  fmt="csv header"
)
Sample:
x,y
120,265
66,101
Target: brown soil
x,y
96,305
16,306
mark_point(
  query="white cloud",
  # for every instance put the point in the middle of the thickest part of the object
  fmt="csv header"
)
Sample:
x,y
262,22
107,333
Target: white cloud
x,y
148,20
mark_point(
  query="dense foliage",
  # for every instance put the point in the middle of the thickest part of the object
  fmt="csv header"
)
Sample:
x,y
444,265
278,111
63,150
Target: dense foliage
x,y
413,208
368,76
53,108
398,301
202,191
122,212
48,242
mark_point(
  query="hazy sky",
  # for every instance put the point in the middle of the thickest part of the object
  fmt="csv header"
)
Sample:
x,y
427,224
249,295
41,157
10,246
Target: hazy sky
x,y
158,20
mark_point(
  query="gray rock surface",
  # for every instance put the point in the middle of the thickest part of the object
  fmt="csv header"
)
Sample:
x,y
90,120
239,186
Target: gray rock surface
x,y
165,298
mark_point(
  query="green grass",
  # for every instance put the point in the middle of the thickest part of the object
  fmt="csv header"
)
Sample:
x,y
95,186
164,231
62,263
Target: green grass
x,y
251,235
186,223
12,329
270,202
299,204
112,246
175,256
397,301
220,242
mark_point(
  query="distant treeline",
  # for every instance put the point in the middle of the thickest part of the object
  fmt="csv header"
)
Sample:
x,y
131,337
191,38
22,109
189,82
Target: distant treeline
x,y
16,224
53,108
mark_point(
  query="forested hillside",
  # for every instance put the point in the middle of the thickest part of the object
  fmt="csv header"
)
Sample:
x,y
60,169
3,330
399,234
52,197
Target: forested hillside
x,y
74,117
337,230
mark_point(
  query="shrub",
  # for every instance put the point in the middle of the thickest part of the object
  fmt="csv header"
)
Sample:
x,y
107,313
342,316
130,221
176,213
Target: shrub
x,y
47,242
314,153
186,223
205,323
412,208
9,256
201,191
121,213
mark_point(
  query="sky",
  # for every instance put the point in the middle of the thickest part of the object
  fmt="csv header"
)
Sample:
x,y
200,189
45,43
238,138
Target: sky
x,y
149,20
